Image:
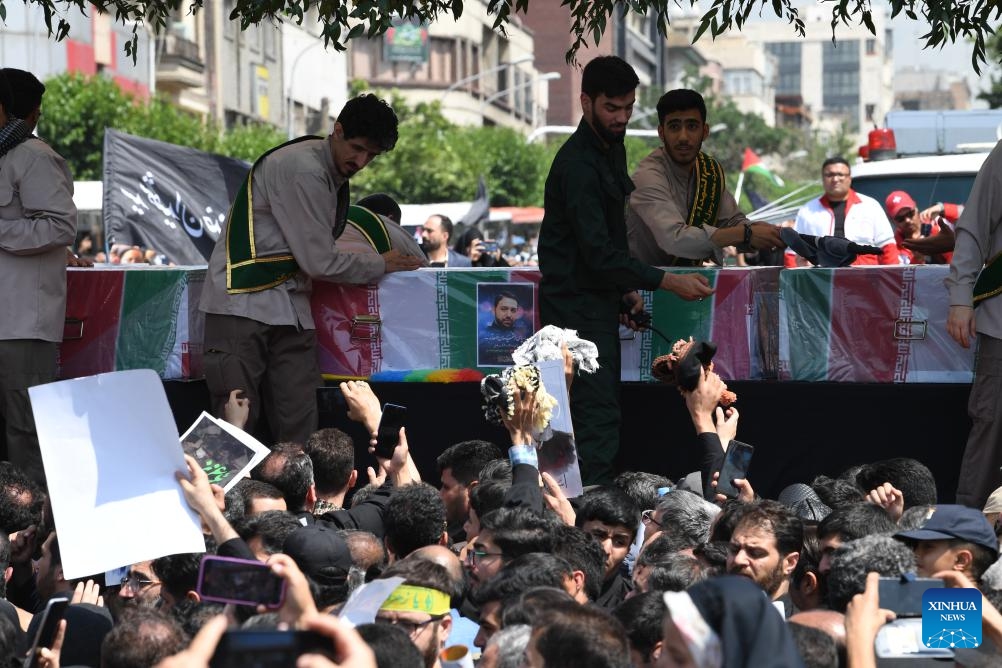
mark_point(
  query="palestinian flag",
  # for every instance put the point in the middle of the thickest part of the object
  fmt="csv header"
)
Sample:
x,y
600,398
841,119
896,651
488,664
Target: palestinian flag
x,y
753,164
115,320
728,317
868,325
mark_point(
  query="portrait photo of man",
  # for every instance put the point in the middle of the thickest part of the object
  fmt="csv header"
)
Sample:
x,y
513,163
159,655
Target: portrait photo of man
x,y
504,320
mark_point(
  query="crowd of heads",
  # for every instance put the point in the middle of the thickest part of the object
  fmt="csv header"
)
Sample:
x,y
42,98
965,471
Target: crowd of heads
x,y
621,580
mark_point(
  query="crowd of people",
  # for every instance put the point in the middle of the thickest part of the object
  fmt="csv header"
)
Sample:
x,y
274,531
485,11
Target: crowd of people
x,y
645,571
496,563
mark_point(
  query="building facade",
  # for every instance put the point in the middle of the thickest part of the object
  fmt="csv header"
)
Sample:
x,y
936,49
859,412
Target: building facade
x,y
480,76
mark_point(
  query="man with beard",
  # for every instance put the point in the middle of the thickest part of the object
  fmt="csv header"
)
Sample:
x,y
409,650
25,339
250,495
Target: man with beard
x,y
681,214
497,341
420,606
141,586
280,235
588,275
765,547
459,469
435,235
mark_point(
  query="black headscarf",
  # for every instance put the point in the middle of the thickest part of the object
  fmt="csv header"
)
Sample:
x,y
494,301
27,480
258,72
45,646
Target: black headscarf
x,y
753,634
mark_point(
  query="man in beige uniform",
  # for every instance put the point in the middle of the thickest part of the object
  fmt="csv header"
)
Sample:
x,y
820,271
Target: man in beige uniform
x,y
37,223
681,214
280,235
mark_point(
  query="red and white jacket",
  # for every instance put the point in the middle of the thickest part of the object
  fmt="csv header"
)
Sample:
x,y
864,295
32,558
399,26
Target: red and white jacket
x,y
865,223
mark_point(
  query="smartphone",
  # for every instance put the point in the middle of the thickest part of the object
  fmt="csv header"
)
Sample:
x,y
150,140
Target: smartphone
x,y
388,434
489,246
267,648
239,581
46,634
736,463
903,596
925,229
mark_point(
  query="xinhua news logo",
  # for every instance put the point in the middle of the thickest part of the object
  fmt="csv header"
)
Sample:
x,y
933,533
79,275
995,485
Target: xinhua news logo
x,y
951,618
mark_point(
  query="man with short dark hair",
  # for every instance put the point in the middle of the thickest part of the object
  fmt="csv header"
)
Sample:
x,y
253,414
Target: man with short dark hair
x,y
414,518
265,533
516,577
765,547
290,469
642,618
435,234
459,469
279,236
849,523
588,275
333,455
842,212
178,575
505,534
681,213
37,222
505,312
612,518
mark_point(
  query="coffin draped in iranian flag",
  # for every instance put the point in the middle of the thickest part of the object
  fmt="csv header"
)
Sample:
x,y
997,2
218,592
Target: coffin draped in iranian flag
x,y
869,325
135,317
445,319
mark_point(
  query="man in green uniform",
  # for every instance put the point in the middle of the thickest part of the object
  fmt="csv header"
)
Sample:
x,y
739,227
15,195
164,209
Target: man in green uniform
x,y
587,271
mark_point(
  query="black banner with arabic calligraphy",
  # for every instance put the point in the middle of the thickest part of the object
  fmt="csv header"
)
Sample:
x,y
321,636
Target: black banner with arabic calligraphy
x,y
169,198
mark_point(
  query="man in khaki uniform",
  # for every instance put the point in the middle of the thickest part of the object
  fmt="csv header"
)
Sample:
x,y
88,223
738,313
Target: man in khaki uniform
x,y
37,223
279,236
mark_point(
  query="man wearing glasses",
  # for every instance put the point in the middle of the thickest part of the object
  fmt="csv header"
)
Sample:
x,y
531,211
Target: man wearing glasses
x,y
140,587
420,605
843,212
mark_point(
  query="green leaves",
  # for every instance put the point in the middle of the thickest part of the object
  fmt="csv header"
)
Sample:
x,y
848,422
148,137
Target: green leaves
x,y
345,20
79,108
436,161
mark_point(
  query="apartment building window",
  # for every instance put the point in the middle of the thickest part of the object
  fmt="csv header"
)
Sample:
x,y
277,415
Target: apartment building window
x,y
788,57
442,60
871,47
840,81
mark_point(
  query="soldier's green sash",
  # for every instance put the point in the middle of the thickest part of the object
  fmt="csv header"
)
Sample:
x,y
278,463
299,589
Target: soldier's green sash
x,y
246,271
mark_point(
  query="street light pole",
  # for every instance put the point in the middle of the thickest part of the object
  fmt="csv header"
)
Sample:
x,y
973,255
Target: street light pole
x,y
480,75
292,82
547,76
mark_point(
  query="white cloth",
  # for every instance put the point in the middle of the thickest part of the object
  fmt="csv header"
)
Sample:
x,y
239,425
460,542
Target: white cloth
x,y
546,345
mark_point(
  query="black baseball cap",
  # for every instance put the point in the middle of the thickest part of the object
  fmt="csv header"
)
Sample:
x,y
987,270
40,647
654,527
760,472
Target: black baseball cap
x,y
949,521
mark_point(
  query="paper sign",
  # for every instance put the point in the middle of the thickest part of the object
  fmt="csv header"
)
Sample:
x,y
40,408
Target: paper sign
x,y
558,456
224,452
110,450
364,602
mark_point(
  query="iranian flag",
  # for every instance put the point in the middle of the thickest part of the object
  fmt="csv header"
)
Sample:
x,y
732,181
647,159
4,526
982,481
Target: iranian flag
x,y
726,317
136,318
868,325
753,164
